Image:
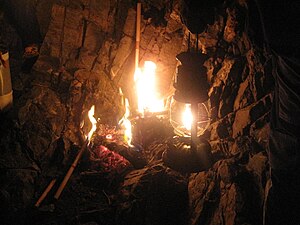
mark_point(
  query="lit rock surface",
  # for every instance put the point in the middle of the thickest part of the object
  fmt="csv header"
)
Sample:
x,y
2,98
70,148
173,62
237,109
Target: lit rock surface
x,y
87,54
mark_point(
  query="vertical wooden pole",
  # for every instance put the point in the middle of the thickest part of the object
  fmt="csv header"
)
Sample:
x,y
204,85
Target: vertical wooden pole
x,y
138,34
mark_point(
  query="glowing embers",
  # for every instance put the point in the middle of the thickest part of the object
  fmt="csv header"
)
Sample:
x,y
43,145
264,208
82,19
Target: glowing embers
x,y
181,118
146,89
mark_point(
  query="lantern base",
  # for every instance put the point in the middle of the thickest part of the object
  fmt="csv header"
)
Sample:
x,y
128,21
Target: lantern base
x,y
181,157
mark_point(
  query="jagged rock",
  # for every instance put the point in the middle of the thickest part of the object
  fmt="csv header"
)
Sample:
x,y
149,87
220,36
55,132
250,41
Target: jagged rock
x,y
20,186
260,131
43,10
153,195
124,50
241,122
42,113
223,194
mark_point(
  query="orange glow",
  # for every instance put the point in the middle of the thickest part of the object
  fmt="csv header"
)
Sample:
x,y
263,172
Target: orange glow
x,y
187,117
147,94
93,121
182,118
126,124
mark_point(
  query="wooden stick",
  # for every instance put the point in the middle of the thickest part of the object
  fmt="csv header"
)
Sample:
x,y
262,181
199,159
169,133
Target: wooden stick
x,y
45,193
138,34
70,171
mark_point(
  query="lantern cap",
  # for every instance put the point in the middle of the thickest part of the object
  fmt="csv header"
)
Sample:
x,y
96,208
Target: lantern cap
x,y
192,58
191,80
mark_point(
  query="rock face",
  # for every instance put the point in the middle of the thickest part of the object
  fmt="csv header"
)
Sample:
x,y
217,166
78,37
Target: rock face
x,y
230,193
154,195
86,56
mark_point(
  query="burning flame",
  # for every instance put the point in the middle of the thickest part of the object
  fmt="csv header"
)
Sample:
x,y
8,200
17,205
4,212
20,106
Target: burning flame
x,y
125,123
187,117
93,121
147,94
147,97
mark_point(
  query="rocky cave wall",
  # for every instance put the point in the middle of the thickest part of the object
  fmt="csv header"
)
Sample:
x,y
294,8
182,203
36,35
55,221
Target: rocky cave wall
x,y
88,53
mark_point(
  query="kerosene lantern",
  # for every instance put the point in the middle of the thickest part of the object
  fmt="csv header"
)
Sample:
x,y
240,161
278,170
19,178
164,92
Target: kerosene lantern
x,y
189,108
189,115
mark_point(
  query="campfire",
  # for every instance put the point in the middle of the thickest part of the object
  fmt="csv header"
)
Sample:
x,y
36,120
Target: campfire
x,y
94,137
146,83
